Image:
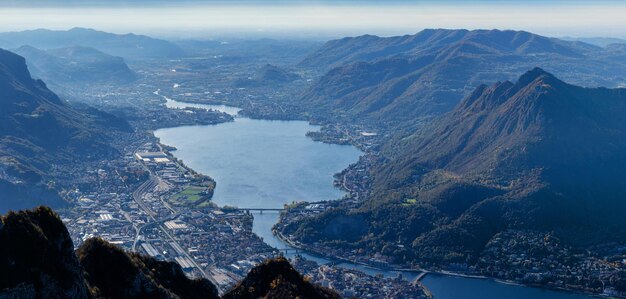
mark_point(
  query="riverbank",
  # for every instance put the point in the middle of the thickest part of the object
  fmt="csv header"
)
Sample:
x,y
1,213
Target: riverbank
x,y
425,272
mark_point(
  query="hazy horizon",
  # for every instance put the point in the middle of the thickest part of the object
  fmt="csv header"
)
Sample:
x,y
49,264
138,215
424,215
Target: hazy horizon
x,y
315,19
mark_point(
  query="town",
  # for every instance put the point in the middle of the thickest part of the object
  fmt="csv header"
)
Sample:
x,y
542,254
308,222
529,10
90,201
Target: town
x,y
148,201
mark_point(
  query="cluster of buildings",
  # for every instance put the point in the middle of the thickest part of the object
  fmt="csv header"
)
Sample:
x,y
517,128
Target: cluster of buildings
x,y
206,242
166,169
135,214
127,201
103,204
542,259
355,284
221,242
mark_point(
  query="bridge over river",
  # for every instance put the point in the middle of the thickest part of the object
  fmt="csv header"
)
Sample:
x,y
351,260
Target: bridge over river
x,y
261,210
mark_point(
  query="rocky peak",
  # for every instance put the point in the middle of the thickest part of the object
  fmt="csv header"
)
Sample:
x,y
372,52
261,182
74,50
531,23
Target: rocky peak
x,y
37,257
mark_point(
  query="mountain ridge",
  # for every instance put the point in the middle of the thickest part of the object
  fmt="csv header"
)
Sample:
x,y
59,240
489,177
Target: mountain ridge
x,y
129,46
538,154
37,130
370,47
400,87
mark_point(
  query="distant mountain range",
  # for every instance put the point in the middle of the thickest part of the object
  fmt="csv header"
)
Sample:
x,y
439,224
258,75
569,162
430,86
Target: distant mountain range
x,y
128,46
37,260
446,42
538,155
598,41
400,80
76,65
39,130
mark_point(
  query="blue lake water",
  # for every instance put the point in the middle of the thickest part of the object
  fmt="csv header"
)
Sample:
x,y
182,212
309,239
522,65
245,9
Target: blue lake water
x,y
265,164
260,163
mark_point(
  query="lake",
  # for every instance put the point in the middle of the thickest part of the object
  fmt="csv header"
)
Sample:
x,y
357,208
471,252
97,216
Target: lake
x,y
265,164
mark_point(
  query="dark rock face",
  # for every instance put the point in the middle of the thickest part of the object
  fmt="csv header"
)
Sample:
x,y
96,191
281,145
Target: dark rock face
x,y
37,257
37,260
277,279
112,273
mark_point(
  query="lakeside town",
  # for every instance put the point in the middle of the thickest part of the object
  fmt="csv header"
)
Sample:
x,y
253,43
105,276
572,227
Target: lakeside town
x,y
553,265
150,202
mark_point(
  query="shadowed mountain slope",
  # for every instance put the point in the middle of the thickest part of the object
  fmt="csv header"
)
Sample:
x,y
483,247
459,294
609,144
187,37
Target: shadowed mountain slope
x,y
113,273
37,257
37,131
538,154
277,279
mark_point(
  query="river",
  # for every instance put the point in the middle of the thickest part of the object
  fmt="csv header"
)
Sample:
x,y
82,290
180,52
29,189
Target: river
x,y
265,164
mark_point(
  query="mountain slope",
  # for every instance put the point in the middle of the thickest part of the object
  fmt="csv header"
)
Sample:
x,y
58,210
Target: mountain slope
x,y
37,257
277,279
268,75
370,48
113,273
538,154
129,46
398,80
76,65
37,131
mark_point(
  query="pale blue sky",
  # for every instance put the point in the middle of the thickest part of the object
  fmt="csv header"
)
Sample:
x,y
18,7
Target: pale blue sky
x,y
321,18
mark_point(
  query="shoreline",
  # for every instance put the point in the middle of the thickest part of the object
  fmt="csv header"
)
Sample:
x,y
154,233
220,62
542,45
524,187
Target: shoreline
x,y
426,291
426,272
337,260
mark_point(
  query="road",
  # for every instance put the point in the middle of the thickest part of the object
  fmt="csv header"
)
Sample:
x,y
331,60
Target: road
x,y
138,195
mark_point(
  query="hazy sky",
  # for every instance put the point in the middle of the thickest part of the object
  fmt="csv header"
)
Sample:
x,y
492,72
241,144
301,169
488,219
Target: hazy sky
x,y
204,18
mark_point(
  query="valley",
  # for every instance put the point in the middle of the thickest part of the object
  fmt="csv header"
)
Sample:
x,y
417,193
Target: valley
x,y
389,160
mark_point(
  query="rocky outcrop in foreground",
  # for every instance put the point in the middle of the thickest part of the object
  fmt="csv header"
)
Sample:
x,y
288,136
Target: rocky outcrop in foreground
x,y
37,260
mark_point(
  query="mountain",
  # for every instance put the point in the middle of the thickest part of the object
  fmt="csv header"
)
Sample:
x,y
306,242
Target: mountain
x,y
110,272
535,155
268,75
37,131
129,46
277,279
37,257
398,81
37,260
370,48
598,41
76,65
